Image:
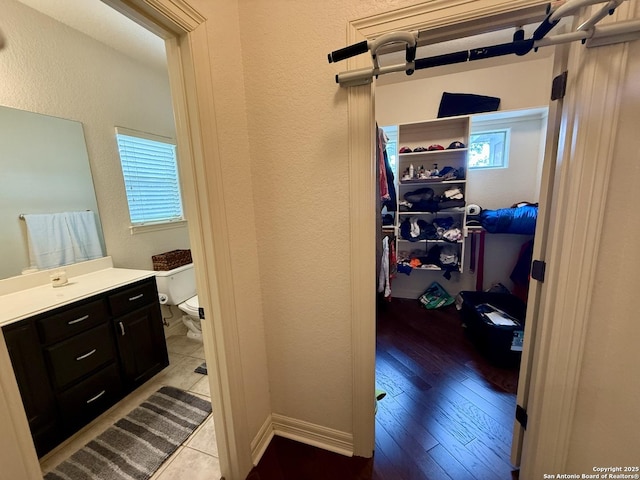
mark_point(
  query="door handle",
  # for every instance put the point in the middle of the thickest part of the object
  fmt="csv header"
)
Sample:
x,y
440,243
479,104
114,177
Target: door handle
x,y
93,399
121,328
77,320
82,357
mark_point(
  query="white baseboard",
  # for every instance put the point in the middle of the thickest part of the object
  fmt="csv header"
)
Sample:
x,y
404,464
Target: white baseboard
x,y
312,434
300,431
261,441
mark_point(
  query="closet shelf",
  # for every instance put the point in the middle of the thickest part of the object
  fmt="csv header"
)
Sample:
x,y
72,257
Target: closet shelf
x,y
439,212
444,132
400,239
430,182
433,152
430,268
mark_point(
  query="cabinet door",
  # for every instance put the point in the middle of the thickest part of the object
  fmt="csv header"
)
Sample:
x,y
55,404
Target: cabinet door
x,y
141,344
31,374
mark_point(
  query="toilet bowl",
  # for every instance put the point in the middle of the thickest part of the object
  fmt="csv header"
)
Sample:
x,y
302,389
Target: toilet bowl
x,y
192,317
178,287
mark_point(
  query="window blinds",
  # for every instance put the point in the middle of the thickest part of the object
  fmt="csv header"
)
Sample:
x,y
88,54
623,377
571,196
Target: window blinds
x,y
151,179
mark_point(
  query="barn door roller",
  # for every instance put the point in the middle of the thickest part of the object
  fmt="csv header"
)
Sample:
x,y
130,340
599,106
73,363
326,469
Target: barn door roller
x,y
587,33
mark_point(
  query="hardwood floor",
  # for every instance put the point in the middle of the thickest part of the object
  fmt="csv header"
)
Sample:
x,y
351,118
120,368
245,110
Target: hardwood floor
x,y
448,413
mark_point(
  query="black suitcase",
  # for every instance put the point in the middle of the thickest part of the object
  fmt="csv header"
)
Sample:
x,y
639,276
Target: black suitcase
x,y
495,324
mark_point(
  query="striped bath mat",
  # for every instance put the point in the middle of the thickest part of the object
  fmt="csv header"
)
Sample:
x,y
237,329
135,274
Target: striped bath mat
x,y
136,445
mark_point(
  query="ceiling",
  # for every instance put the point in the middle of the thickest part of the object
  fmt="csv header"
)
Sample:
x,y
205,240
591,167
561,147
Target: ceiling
x,y
103,23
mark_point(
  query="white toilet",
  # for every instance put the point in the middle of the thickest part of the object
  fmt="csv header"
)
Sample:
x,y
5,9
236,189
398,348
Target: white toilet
x,y
178,287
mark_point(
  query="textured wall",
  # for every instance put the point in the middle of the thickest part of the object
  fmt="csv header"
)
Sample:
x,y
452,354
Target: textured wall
x,y
49,68
297,121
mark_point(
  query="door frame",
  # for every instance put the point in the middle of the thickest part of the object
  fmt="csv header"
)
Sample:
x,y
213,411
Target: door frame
x,y
189,65
589,118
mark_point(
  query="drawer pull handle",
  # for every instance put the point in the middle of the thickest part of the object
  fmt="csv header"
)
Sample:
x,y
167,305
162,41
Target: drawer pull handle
x,y
82,357
77,320
93,399
121,328
131,299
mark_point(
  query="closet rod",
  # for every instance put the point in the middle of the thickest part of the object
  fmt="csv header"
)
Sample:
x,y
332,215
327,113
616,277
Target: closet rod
x,y
587,32
621,31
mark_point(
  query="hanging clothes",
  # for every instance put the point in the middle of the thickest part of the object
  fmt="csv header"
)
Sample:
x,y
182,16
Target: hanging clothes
x,y
388,267
382,170
384,282
391,202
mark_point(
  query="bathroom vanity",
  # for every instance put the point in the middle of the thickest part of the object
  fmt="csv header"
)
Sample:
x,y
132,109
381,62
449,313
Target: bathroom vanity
x,y
76,350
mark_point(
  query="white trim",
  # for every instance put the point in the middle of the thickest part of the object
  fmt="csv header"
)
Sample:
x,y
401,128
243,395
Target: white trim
x,y
362,246
155,227
591,111
262,439
482,120
537,290
312,434
146,135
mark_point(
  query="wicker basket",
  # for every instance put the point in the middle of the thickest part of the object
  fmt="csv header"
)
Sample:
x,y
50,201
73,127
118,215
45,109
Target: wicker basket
x,y
170,260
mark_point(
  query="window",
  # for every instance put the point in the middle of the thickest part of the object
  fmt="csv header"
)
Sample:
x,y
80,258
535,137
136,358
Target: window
x,y
151,181
489,149
392,145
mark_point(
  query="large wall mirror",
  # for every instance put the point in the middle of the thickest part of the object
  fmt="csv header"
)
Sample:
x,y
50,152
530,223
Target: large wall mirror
x,y
44,168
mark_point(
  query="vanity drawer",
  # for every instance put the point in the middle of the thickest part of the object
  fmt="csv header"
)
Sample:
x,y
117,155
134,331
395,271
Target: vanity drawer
x,y
74,320
92,396
73,358
133,298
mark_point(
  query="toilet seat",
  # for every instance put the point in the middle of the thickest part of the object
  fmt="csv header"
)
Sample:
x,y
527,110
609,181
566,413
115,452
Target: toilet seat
x,y
190,306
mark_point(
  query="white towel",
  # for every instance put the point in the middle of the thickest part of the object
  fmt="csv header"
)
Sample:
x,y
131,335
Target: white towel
x,y
83,233
58,239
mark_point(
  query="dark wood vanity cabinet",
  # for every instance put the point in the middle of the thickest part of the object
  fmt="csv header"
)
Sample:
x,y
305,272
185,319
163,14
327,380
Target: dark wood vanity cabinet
x,y
74,362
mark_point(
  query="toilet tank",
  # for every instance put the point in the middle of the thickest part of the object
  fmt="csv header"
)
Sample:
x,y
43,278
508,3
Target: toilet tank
x,y
178,284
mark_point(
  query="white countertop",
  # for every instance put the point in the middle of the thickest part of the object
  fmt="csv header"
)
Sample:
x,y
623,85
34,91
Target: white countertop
x,y
32,301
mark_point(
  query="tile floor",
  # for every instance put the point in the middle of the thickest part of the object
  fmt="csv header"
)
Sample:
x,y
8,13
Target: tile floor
x,y
197,458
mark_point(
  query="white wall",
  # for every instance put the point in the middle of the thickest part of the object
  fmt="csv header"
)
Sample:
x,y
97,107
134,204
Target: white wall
x,y
520,181
520,83
501,188
52,69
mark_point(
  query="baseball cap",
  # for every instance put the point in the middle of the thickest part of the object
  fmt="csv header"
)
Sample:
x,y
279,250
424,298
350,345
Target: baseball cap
x,y
455,145
404,150
435,147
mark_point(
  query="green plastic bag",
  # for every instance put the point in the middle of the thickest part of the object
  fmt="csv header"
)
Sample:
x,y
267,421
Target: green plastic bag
x,y
435,297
